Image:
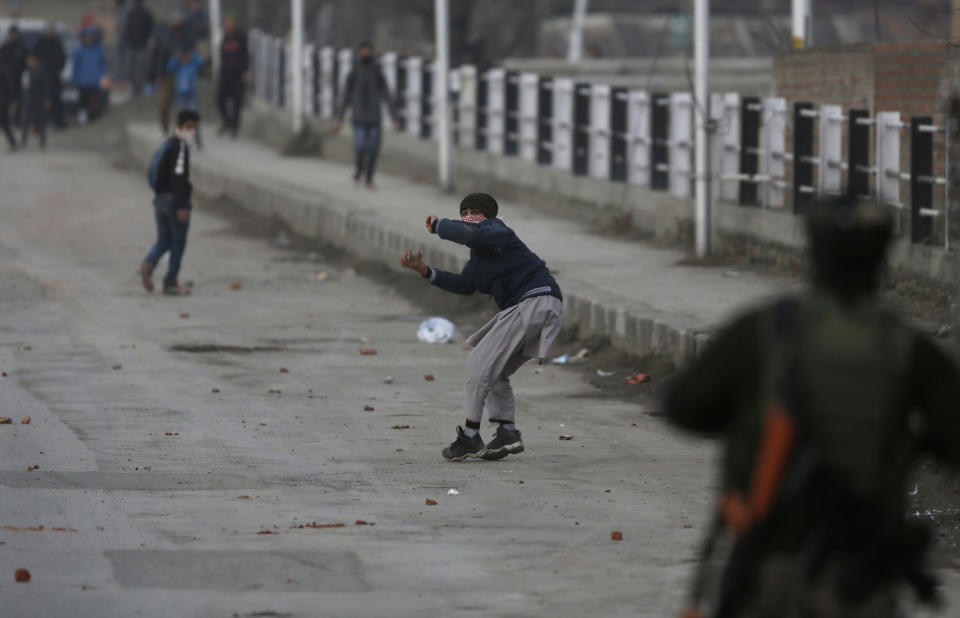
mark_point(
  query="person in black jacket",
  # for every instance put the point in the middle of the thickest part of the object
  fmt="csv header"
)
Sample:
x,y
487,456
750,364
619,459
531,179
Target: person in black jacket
x,y
234,74
5,109
136,35
36,101
49,49
172,204
531,313
13,58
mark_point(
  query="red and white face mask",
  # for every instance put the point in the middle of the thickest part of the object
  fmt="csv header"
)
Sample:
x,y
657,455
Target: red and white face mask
x,y
476,218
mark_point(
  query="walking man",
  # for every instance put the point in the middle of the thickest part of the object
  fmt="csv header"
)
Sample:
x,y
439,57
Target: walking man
x,y
170,175
365,92
5,109
531,313
13,59
136,35
824,401
234,74
49,49
89,73
36,101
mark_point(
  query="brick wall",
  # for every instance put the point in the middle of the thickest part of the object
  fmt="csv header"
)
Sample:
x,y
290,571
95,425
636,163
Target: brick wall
x,y
914,78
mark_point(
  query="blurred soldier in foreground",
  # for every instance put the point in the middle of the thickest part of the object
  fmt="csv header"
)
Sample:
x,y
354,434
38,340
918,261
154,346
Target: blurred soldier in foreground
x,y
824,402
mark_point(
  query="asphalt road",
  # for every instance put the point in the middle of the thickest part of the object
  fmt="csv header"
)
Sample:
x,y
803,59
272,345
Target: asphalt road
x,y
167,441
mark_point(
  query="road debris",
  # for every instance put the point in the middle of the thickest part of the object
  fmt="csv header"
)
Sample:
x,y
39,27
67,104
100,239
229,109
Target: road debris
x,y
6,420
317,526
400,427
453,492
388,380
267,532
25,420
436,330
320,277
30,468
360,522
243,497
605,374
171,433
21,575
368,408
3,373
184,316
640,378
274,391
214,390
284,370
430,502
616,535
367,351
563,359
566,437
429,377
236,285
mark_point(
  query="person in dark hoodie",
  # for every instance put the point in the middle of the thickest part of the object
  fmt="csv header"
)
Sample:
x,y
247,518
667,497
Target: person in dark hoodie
x,y
234,67
36,101
172,204
365,91
137,30
5,109
13,59
531,313
49,49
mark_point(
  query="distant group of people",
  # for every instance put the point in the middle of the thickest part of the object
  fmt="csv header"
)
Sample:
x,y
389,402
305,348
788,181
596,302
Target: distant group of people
x,y
30,85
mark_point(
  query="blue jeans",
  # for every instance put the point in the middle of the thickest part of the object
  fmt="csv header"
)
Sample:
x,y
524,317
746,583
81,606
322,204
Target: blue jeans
x,y
172,237
366,143
189,101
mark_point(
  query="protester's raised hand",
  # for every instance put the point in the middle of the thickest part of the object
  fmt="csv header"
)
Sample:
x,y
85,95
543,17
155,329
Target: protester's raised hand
x,y
430,221
413,262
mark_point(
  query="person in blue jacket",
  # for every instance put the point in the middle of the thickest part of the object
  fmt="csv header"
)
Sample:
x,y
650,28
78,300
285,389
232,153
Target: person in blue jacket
x,y
531,313
90,71
185,68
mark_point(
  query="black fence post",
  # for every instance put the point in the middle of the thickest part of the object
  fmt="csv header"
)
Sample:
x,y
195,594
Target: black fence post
x,y
660,142
545,121
618,134
481,110
858,154
400,95
581,129
426,99
921,189
511,113
750,117
803,127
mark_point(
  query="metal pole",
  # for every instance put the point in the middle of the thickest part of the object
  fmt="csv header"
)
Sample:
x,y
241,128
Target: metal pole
x,y
701,52
216,36
802,24
296,62
575,49
441,95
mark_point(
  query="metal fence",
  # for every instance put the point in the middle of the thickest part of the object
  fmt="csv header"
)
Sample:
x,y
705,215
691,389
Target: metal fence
x,y
644,138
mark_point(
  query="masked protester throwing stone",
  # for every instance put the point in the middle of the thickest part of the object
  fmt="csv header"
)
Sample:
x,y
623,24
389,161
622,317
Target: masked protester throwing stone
x,y
531,313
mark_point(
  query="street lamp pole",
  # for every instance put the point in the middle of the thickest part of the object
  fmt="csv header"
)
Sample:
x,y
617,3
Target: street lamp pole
x,y
701,52
441,95
216,36
296,62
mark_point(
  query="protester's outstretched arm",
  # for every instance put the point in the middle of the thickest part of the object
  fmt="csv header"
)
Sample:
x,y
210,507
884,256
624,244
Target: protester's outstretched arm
x,y
462,283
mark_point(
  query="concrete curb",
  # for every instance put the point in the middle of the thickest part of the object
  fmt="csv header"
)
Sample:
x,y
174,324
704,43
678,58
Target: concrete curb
x,y
350,224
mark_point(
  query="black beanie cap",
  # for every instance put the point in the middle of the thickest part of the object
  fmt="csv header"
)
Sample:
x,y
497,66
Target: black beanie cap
x,y
483,202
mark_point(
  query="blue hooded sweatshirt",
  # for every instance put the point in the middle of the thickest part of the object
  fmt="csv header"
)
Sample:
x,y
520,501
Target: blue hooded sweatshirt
x,y
89,65
499,265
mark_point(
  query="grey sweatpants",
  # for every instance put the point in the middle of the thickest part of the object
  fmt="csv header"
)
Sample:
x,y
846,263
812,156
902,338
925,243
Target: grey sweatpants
x,y
501,346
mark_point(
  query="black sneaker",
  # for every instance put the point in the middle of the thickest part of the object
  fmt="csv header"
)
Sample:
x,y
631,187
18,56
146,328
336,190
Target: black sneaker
x,y
505,442
464,447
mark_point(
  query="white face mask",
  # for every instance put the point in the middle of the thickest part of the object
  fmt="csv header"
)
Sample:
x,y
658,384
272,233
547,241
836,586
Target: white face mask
x,y
188,135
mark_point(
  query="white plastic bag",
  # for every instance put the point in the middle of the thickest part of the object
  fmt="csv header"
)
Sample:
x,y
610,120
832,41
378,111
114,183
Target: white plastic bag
x,y
436,330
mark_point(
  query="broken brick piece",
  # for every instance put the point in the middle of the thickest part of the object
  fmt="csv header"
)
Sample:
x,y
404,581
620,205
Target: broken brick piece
x,y
429,377
616,535
566,437
25,421
214,390
243,497
236,285
360,522
29,468
284,370
400,427
267,532
21,575
6,420
367,351
3,373
430,502
368,408
184,316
